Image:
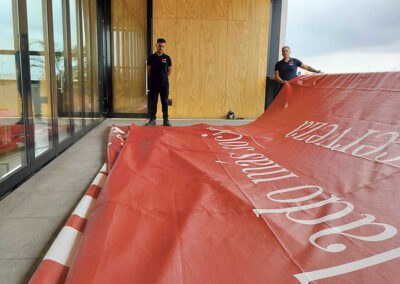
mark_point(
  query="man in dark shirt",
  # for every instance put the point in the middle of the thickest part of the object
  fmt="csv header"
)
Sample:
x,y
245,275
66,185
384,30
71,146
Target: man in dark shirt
x,y
159,68
286,69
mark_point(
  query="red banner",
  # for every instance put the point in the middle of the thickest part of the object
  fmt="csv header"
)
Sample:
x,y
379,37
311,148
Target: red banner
x,y
116,140
306,193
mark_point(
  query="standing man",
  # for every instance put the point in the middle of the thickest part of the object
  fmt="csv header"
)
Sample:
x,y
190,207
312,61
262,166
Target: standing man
x,y
159,68
286,69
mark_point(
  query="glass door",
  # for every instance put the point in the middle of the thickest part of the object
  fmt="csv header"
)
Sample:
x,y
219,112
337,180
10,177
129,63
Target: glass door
x,y
129,44
49,77
61,94
12,135
40,79
77,112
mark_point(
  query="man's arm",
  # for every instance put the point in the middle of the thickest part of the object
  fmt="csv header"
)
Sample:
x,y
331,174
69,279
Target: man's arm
x,y
309,68
169,65
148,69
278,78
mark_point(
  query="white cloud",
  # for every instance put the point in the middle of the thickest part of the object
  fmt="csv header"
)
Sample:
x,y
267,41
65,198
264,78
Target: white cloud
x,y
342,36
354,61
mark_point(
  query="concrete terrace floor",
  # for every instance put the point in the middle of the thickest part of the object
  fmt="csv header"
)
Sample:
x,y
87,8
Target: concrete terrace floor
x,y
32,215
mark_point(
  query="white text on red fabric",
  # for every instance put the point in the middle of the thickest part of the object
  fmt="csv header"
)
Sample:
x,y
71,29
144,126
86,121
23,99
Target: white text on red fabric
x,y
253,163
328,136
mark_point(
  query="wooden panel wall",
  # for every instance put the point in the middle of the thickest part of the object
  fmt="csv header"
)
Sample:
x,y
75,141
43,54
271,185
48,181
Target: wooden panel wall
x,y
219,55
129,36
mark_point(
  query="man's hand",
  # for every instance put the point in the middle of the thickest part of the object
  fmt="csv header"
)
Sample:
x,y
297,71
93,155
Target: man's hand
x,y
278,78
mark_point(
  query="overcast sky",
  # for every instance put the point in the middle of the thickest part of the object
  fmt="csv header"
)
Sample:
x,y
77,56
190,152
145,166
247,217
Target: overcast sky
x,y
344,36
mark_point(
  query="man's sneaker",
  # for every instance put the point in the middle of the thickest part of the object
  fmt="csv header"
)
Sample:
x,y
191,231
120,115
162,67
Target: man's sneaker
x,y
151,122
166,122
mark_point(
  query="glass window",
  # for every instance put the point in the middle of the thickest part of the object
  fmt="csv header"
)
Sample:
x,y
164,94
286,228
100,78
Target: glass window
x,y
87,74
76,66
38,58
129,36
37,85
94,56
62,99
12,137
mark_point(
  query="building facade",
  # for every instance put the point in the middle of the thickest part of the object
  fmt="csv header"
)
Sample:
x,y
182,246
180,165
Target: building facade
x,y
65,65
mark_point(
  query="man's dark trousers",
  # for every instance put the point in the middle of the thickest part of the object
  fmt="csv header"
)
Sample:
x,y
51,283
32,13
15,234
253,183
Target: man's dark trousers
x,y
153,99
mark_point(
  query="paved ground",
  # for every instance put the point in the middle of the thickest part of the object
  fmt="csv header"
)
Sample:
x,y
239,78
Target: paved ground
x,y
32,215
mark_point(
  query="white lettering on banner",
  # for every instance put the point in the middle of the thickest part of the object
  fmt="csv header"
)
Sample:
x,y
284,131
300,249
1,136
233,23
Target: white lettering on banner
x,y
349,207
257,181
370,131
322,137
305,125
337,136
232,155
311,126
377,158
299,199
393,137
307,277
269,170
317,125
219,136
231,143
262,161
235,145
116,130
263,168
389,231
119,136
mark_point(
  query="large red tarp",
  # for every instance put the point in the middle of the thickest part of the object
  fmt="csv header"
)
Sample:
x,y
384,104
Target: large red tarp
x,y
306,193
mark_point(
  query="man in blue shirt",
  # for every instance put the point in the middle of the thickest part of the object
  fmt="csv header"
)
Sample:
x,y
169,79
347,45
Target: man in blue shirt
x,y
286,69
159,68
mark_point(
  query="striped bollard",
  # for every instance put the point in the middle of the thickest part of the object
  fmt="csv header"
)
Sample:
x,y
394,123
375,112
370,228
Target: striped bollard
x,y
55,265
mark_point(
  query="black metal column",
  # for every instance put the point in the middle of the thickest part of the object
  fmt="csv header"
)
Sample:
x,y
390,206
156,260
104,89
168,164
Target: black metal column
x,y
272,86
274,35
107,56
25,80
149,27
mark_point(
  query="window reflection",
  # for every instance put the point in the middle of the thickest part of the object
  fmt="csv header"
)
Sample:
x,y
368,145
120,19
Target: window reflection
x,y
62,99
40,91
93,55
82,101
87,74
12,141
76,68
129,30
